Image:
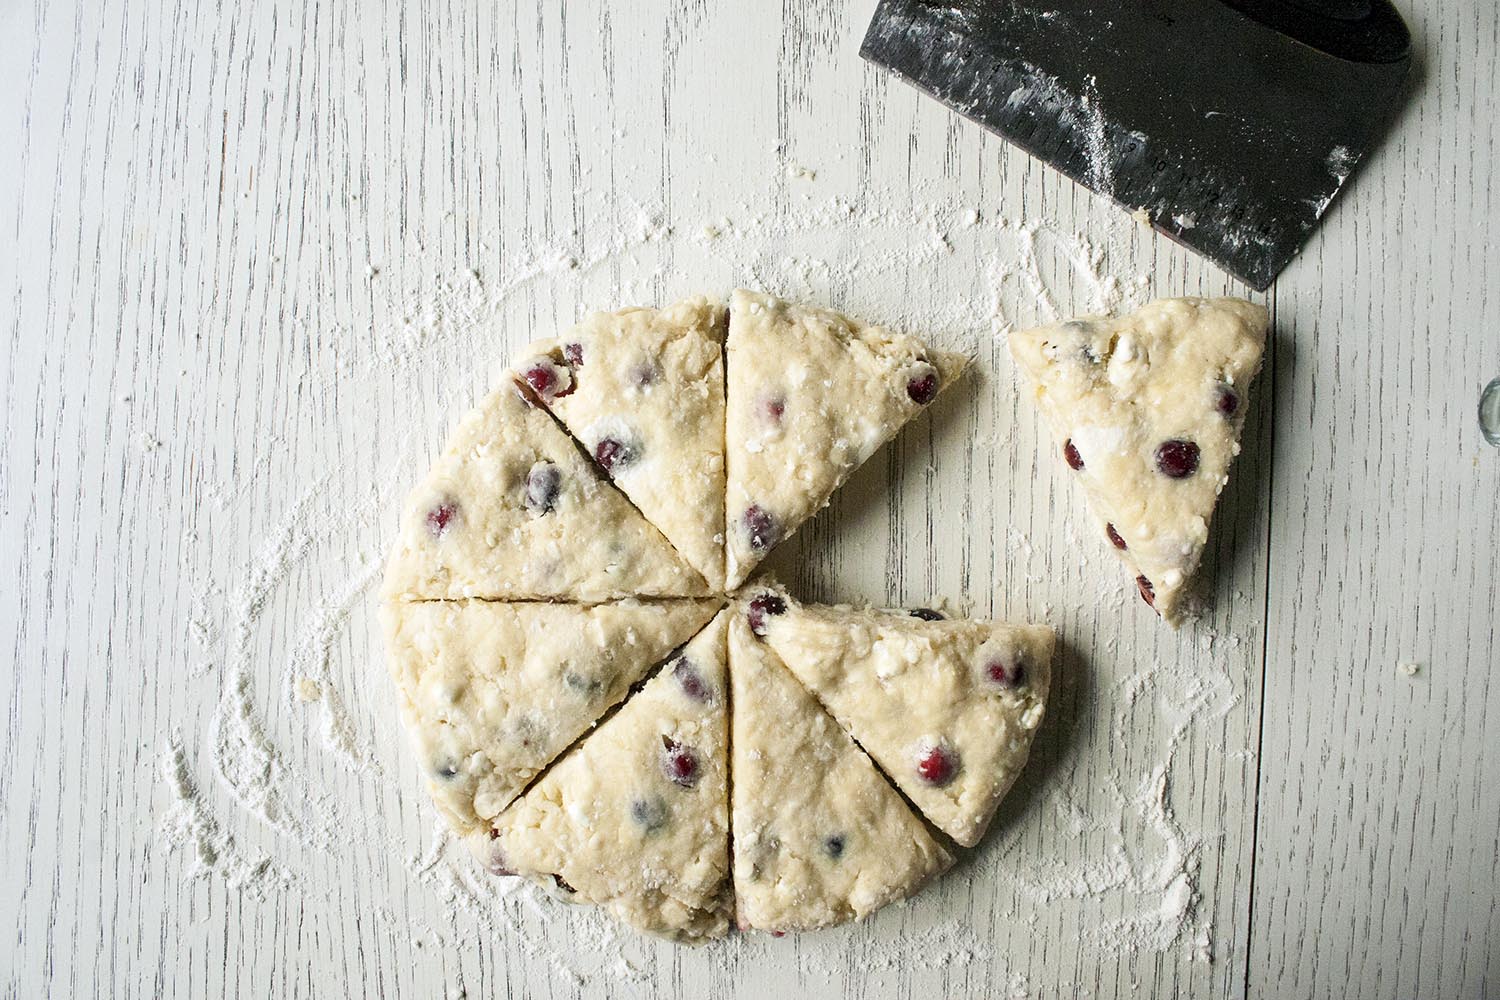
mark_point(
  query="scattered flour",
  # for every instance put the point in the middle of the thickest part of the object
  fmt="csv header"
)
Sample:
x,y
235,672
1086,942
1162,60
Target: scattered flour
x,y
190,824
800,173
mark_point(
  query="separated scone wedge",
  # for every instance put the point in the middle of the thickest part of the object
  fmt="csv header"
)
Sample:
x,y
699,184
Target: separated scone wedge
x,y
1147,411
811,395
636,817
820,838
491,693
513,511
643,391
948,709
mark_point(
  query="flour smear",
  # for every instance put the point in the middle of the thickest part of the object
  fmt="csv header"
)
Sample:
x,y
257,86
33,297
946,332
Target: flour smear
x,y
294,778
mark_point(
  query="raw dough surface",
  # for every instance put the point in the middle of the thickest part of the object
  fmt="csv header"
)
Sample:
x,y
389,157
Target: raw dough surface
x,y
1147,409
636,818
643,391
820,838
512,510
948,709
491,693
812,395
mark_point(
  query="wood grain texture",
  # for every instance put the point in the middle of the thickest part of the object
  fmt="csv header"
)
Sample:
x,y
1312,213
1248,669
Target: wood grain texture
x,y
263,255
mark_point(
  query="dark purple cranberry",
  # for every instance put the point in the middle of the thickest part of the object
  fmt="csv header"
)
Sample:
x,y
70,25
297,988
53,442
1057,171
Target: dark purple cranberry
x,y
1114,537
1148,592
573,354
439,517
679,763
611,454
1005,673
543,483
762,607
937,765
589,687
1227,401
563,885
927,614
447,768
922,387
644,374
691,681
1177,458
834,846
761,527
1075,460
650,814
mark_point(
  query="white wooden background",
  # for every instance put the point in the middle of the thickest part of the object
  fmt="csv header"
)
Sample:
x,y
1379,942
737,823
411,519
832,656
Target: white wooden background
x,y
261,254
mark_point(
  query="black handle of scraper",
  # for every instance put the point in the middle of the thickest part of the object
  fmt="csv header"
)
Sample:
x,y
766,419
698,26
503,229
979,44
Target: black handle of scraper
x,y
1367,31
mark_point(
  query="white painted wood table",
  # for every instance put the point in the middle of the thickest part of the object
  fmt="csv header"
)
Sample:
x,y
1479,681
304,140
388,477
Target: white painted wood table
x,y
261,255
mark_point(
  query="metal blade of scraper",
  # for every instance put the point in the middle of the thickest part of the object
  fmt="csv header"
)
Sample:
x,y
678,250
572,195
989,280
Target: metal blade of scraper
x,y
1232,125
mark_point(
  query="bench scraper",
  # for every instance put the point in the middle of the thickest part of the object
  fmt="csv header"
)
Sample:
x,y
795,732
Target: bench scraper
x,y
1232,123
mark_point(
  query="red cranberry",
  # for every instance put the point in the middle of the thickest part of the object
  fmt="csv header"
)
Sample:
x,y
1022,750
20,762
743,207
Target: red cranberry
x,y
927,614
679,763
691,681
543,483
762,607
563,885
541,378
922,387
762,528
1177,458
1148,592
440,517
1114,537
1075,460
610,453
937,765
1227,401
547,380
778,934
573,354
774,409
1007,675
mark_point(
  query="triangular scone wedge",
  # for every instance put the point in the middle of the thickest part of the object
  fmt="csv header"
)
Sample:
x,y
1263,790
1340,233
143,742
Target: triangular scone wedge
x,y
1147,411
643,391
513,511
636,817
491,693
811,395
947,709
820,838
